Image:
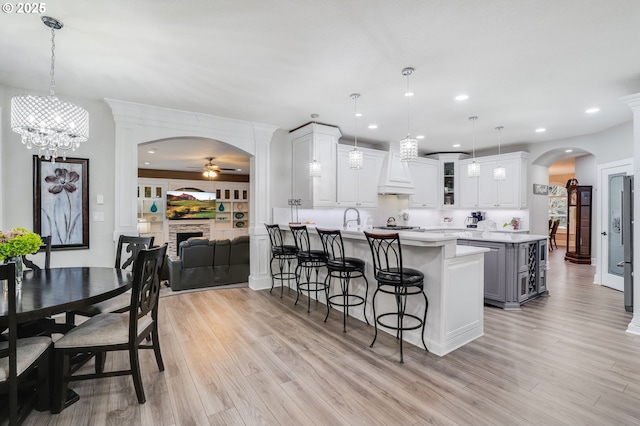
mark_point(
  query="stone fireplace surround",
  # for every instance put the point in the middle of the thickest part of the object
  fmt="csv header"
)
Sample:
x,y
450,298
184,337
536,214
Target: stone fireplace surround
x,y
176,228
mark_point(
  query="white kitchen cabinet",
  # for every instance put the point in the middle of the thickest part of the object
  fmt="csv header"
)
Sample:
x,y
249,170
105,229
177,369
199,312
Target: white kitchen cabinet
x,y
486,192
320,142
449,175
358,188
424,173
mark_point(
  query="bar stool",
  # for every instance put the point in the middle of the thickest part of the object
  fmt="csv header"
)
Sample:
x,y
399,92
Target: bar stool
x,y
398,281
309,264
343,268
284,254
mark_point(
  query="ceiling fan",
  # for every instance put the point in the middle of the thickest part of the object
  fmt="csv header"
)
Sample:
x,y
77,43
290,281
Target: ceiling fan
x,y
211,169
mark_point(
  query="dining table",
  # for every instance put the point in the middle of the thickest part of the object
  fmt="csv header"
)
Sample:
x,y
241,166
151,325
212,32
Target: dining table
x,y
48,292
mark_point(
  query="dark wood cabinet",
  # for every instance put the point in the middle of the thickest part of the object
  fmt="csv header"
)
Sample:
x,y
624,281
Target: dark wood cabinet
x,y
579,224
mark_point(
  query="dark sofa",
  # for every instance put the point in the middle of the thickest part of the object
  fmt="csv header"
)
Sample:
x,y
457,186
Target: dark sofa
x,y
206,263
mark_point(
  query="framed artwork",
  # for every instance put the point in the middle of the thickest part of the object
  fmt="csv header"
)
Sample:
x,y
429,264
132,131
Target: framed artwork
x,y
61,201
540,189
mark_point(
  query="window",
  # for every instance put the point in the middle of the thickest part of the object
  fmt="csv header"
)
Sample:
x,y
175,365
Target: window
x,y
558,204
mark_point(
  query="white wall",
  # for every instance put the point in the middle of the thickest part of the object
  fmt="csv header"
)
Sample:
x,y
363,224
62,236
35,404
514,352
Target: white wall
x,y
17,180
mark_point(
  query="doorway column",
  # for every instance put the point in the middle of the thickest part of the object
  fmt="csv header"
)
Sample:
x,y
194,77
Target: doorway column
x,y
137,123
634,103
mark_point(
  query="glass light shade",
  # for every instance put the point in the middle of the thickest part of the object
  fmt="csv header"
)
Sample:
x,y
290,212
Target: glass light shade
x,y
356,159
408,149
49,123
315,169
473,169
499,173
210,174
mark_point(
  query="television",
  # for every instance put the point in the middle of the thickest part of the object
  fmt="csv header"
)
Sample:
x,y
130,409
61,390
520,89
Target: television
x,y
191,205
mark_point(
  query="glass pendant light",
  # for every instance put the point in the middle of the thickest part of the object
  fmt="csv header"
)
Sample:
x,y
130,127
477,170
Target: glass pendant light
x,y
408,145
473,168
46,122
315,167
356,159
499,173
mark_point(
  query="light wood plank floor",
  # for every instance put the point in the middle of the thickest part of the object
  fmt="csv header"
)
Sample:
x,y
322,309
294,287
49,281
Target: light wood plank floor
x,y
242,357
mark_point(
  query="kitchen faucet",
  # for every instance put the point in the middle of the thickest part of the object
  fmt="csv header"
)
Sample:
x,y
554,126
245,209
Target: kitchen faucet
x,y
344,218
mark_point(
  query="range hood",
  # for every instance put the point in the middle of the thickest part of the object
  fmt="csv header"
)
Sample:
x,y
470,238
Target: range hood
x,y
395,177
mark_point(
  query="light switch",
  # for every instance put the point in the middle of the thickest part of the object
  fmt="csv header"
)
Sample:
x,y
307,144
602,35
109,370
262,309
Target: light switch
x,y
99,199
98,216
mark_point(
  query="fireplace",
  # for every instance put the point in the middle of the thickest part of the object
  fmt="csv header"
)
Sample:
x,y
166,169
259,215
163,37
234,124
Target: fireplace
x,y
183,236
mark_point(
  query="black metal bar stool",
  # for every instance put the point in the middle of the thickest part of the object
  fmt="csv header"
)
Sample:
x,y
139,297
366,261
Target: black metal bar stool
x,y
284,254
398,281
344,269
309,264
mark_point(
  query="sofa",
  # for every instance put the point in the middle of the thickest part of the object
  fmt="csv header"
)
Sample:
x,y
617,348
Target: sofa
x,y
206,263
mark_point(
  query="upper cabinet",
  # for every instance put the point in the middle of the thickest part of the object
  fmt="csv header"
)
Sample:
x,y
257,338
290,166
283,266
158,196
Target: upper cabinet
x,y
449,179
319,142
358,188
485,192
425,176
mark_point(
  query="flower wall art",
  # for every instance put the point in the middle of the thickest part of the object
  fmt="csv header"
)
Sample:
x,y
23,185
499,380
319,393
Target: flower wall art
x,y
61,201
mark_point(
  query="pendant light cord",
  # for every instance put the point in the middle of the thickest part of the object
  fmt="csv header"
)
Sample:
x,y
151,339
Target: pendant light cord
x,y
53,62
355,119
473,124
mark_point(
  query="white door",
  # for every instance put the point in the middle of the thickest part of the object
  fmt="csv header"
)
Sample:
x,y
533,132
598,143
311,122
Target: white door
x,y
611,253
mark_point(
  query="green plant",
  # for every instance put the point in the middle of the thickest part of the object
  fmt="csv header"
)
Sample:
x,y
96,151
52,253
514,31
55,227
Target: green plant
x,y
18,242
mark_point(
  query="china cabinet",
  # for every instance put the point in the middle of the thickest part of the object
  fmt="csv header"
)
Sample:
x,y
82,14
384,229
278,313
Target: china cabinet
x,y
358,188
579,224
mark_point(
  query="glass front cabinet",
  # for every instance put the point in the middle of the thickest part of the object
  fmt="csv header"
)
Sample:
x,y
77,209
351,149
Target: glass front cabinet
x,y
579,224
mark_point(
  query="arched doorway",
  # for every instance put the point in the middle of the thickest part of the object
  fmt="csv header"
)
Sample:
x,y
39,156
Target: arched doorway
x,y
137,123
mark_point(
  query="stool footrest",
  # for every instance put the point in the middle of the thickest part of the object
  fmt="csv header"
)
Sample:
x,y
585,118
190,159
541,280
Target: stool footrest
x,y
359,300
313,286
402,326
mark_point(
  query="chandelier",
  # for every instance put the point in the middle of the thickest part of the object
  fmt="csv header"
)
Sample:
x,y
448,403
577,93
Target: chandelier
x,y
210,169
499,173
473,168
315,167
356,159
408,145
46,122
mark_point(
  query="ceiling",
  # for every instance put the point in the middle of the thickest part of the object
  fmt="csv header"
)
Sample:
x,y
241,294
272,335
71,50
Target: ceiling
x,y
524,64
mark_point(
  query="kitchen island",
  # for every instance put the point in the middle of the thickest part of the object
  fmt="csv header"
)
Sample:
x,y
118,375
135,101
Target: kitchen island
x,y
514,268
453,285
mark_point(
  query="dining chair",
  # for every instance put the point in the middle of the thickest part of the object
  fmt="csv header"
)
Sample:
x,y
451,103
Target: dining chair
x,y
44,248
552,234
24,363
108,332
126,253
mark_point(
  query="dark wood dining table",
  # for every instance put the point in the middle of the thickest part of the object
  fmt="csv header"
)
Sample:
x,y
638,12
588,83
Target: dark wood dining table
x,y
54,291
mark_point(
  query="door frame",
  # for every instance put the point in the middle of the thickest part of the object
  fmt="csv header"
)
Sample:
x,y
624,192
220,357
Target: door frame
x,y
614,167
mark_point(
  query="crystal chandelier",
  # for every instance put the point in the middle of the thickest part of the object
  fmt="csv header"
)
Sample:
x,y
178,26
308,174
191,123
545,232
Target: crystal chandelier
x,y
356,159
210,169
315,167
408,145
499,173
47,122
473,168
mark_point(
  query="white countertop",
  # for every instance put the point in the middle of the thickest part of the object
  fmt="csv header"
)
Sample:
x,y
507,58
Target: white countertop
x,y
498,237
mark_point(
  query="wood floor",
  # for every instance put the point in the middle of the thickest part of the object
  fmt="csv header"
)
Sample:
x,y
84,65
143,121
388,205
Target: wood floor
x,y
237,357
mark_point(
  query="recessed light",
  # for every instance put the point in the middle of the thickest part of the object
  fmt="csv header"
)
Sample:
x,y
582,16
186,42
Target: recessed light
x,y
358,114
592,110
461,97
456,145
152,151
568,150
420,137
408,93
541,130
373,126
146,163
238,170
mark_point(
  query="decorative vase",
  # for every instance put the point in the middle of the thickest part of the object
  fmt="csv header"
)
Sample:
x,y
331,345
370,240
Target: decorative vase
x,y
153,208
19,269
221,208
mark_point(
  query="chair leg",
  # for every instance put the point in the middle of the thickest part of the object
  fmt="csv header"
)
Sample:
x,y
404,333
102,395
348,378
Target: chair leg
x,y
101,360
296,272
366,296
135,373
156,348
327,280
70,318
375,320
424,320
344,284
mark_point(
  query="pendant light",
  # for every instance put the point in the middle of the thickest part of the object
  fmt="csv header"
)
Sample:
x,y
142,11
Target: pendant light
x,y
473,168
356,159
45,121
499,173
408,145
315,167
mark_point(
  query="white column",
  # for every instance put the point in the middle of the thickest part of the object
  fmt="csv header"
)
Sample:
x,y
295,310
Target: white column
x,y
634,103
